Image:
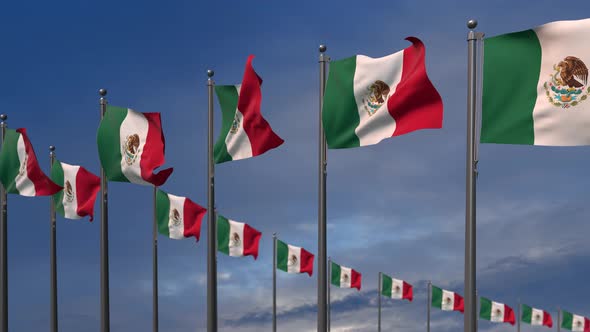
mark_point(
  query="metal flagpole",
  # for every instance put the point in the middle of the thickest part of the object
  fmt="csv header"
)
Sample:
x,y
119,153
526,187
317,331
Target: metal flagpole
x,y
518,313
470,317
428,306
322,246
274,282
105,324
155,267
211,229
52,254
3,244
558,319
379,285
328,289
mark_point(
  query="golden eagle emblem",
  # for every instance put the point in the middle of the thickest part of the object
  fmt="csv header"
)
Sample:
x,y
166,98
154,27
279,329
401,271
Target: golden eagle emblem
x,y
498,312
175,217
397,289
69,191
131,149
23,166
234,240
345,278
377,95
448,300
293,260
567,86
235,125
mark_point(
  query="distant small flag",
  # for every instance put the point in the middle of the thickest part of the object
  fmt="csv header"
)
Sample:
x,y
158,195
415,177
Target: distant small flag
x,y
574,322
446,300
345,277
396,289
237,239
293,259
536,316
178,217
77,198
19,170
496,312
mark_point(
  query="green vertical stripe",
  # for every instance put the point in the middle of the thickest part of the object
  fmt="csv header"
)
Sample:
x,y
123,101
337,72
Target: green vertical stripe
x,y
386,285
228,99
163,212
527,314
223,234
282,255
485,310
9,162
437,297
109,143
335,277
340,115
511,72
57,176
567,320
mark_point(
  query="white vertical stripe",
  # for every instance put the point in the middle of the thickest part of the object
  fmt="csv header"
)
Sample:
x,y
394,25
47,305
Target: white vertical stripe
x,y
578,323
176,219
397,288
236,238
134,123
380,125
70,199
345,277
24,185
536,316
497,312
238,143
294,259
448,300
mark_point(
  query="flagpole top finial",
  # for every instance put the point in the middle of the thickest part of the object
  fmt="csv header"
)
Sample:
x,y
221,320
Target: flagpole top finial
x,y
323,48
472,24
3,117
102,92
210,73
51,148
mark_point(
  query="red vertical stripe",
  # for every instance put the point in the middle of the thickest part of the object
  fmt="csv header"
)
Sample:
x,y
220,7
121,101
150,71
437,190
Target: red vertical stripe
x,y
251,241
458,303
415,104
193,216
408,293
355,279
547,321
261,136
306,262
43,185
508,315
586,325
153,152
87,187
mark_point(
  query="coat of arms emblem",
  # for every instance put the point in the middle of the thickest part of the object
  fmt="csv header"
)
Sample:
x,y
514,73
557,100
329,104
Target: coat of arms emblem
x,y
498,312
447,300
568,84
131,149
69,192
175,217
377,95
293,260
234,240
397,289
235,125
537,317
23,166
345,278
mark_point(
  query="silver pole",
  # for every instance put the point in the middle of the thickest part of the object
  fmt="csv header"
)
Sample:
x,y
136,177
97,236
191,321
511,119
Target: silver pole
x,y
212,236
558,319
155,267
328,289
379,285
52,254
518,313
322,245
105,321
470,317
428,305
3,244
274,282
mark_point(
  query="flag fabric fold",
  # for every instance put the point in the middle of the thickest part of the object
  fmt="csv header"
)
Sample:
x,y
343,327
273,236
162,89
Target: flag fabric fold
x,y
77,198
20,172
396,288
496,312
536,316
293,259
345,277
237,239
178,217
446,300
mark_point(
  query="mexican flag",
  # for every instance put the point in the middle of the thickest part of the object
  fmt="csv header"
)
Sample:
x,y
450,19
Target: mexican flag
x,y
535,86
396,289
237,239
495,312
19,170
368,100
536,316
244,132
446,300
77,198
131,146
178,217
293,259
575,322
345,277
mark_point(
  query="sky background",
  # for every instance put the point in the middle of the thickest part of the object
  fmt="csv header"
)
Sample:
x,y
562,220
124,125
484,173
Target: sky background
x,y
396,207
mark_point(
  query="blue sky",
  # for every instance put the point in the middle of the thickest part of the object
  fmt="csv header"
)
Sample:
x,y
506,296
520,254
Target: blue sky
x,y
396,207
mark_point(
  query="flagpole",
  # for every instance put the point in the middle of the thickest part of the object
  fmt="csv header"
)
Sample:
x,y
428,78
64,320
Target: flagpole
x,y
155,266
274,282
211,229
104,236
3,244
380,282
470,317
558,319
322,246
428,306
518,313
52,254
328,289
